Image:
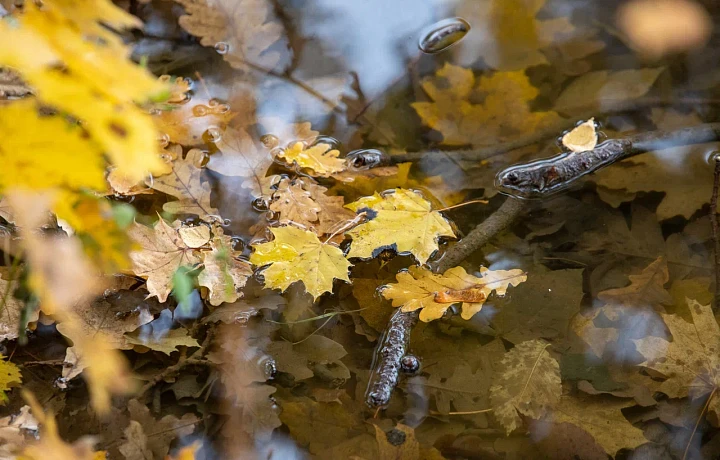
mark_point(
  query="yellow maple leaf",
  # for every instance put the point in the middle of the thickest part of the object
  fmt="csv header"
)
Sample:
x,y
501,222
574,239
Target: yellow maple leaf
x,y
9,376
432,294
162,252
321,159
402,220
298,255
504,113
60,55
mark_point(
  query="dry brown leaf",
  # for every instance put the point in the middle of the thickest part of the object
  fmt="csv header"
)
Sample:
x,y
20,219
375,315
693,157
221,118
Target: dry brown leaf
x,y
152,437
527,383
306,204
185,182
419,288
240,156
647,288
246,32
162,252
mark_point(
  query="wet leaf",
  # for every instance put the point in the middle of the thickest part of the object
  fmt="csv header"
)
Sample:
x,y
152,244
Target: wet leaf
x,y
320,159
407,449
186,121
16,431
163,251
164,343
9,376
504,113
402,220
647,288
11,310
299,359
150,436
298,255
420,289
224,274
527,383
241,31
582,138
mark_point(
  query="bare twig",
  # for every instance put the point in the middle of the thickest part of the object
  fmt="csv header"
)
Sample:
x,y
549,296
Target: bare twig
x,y
716,229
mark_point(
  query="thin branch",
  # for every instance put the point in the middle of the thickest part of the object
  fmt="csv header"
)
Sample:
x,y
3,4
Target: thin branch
x,y
716,229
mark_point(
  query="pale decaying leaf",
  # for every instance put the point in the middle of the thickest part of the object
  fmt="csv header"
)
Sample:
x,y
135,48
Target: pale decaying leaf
x,y
305,204
690,362
320,159
298,255
602,418
224,273
503,114
419,288
402,220
581,138
240,156
185,183
528,383
246,32
162,252
16,430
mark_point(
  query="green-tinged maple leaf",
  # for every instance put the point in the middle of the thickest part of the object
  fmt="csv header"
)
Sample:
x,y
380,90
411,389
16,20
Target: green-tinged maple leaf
x,y
602,418
185,182
9,376
528,383
298,255
402,220
420,289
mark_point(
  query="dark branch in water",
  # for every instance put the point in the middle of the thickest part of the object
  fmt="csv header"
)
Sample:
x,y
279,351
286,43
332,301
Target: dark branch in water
x,y
394,342
716,229
541,178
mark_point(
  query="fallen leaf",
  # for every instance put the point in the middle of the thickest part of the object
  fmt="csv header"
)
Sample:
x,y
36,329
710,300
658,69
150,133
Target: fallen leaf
x,y
240,156
603,88
407,449
298,255
247,33
647,288
185,183
243,309
581,138
299,359
504,114
16,431
320,159
165,343
162,252
602,418
150,436
224,274
432,294
305,204
9,376
528,383
280,133
12,310
402,220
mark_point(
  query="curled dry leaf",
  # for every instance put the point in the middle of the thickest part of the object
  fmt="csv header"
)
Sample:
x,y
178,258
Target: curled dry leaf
x,y
298,255
402,220
419,288
527,383
306,204
320,159
246,32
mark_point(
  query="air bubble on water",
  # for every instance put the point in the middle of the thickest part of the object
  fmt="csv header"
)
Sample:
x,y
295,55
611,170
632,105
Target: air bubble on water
x,y
237,243
222,47
270,141
713,157
226,222
204,159
213,134
364,159
200,110
261,204
272,216
442,35
329,140
164,140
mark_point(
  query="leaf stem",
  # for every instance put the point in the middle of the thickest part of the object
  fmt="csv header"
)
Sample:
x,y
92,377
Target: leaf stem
x,y
462,204
697,423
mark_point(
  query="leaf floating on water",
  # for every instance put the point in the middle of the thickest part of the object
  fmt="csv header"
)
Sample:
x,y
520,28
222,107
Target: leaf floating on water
x,y
581,138
298,255
320,159
528,383
420,289
9,376
402,220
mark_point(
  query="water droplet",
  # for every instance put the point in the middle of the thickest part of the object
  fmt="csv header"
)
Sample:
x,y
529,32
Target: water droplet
x,y
713,157
203,159
237,243
222,47
192,221
272,216
164,140
155,112
213,134
409,364
442,35
270,141
261,204
200,110
366,159
269,367
226,222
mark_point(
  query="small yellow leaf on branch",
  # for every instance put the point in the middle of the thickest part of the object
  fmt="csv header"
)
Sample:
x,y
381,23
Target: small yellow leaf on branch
x,y
420,289
298,255
402,220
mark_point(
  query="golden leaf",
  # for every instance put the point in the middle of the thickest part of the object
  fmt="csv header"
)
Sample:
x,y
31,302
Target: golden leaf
x,y
504,113
9,376
305,204
185,122
527,383
185,183
240,30
298,255
319,158
162,252
240,156
419,288
602,418
409,449
402,220
224,273
581,138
